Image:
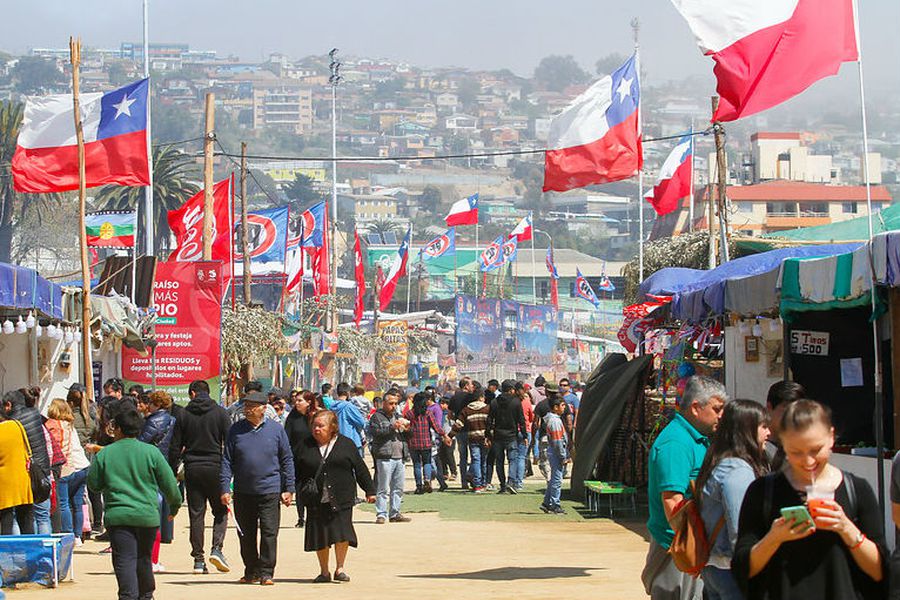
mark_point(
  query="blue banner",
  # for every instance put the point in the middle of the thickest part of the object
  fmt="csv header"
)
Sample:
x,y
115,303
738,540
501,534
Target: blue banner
x,y
479,330
536,334
267,233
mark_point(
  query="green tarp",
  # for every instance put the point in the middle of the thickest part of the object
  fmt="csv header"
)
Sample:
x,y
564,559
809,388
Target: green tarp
x,y
854,230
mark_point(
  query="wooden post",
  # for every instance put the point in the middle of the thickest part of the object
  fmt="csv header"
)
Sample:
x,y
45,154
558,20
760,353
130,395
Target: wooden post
x,y
722,171
245,250
208,211
75,58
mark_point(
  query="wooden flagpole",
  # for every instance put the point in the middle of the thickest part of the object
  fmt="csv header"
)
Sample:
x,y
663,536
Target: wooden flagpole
x,y
208,211
245,251
75,58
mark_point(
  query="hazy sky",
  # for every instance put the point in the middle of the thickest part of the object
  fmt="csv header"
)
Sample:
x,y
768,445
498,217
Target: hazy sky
x,y
476,34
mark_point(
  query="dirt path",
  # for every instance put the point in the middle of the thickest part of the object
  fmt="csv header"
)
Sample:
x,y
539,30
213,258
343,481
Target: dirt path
x,y
541,557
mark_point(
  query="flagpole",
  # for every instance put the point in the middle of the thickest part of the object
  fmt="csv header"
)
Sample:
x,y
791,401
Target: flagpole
x,y
879,408
533,268
148,191
334,79
477,255
636,26
75,59
134,263
691,193
408,271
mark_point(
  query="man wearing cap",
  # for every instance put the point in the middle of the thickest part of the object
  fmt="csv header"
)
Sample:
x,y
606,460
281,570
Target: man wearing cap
x,y
236,410
258,458
505,428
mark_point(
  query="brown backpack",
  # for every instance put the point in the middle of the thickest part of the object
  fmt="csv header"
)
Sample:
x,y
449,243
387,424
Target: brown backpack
x,y
691,546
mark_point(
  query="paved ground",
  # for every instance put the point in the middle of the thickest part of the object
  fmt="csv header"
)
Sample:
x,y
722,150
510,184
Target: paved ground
x,y
474,546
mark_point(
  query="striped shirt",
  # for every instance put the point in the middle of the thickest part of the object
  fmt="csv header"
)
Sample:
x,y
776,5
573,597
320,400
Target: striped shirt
x,y
473,418
556,435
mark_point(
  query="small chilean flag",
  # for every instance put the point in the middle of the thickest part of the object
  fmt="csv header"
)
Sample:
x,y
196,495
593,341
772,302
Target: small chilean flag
x,y
522,231
463,212
768,51
596,138
674,182
115,141
398,270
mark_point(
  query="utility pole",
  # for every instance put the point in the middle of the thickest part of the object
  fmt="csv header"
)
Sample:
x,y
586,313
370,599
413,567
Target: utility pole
x,y
420,266
148,191
636,27
245,250
334,79
722,169
208,139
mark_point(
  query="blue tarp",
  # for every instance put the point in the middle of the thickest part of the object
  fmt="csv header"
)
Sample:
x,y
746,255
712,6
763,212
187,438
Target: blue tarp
x,y
30,558
23,288
704,296
666,282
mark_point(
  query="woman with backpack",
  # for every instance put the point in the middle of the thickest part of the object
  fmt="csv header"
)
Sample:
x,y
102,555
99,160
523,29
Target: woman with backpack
x,y
735,458
839,554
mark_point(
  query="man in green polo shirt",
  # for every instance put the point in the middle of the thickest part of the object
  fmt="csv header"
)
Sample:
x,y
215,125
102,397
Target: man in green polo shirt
x,y
674,462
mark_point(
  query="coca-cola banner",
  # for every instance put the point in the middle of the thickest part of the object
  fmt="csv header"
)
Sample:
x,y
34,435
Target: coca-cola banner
x,y
186,297
186,224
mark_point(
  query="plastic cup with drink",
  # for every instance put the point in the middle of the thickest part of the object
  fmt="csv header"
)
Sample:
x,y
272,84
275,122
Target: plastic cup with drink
x,y
816,498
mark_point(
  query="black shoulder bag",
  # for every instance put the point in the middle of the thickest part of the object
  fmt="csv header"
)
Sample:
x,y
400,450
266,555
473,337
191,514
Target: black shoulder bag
x,y
311,491
40,479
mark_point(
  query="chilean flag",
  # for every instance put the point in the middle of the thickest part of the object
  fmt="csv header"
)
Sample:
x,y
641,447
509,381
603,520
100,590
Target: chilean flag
x,y
463,212
115,141
584,290
768,51
674,182
522,231
596,138
398,270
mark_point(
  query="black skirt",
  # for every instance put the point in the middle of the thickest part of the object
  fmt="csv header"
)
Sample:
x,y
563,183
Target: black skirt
x,y
325,528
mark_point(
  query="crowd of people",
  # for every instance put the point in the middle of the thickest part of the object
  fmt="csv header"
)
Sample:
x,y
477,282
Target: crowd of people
x,y
782,520
118,470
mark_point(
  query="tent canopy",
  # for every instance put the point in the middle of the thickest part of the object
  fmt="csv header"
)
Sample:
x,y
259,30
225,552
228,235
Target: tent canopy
x,y
23,289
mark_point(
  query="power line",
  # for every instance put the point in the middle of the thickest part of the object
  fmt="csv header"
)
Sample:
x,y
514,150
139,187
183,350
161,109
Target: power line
x,y
273,200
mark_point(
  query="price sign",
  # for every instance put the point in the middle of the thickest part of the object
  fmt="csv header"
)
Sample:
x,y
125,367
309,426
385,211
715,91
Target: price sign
x,y
812,343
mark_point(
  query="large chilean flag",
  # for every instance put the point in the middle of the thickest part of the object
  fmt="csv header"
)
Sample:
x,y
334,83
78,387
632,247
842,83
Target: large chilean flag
x,y
463,212
596,138
115,141
398,270
768,51
674,182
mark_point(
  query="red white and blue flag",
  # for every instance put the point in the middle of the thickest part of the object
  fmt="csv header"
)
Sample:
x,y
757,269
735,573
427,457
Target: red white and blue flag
x,y
463,212
554,278
442,245
596,139
674,181
606,285
115,141
523,230
492,256
306,236
398,270
510,250
584,290
768,51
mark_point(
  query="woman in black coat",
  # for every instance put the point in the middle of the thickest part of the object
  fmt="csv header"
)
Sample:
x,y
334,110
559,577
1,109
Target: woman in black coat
x,y
297,428
330,515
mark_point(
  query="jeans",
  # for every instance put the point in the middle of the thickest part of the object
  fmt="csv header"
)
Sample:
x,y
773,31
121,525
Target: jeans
x,y
543,463
437,467
554,484
463,442
389,475
447,459
203,487
503,450
42,518
487,466
719,584
70,495
22,515
519,480
421,460
132,563
477,454
262,513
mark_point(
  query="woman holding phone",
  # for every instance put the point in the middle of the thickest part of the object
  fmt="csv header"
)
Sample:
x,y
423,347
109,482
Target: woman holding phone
x,y
839,551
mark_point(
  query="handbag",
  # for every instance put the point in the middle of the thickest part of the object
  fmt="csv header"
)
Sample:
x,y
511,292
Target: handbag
x,y
40,479
311,491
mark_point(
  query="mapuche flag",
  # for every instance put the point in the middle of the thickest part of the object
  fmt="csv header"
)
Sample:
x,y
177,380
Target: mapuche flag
x,y
115,141
110,229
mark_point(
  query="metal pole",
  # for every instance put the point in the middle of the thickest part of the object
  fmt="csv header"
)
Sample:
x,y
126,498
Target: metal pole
x,y
477,257
636,27
148,191
245,235
208,211
75,58
334,79
533,268
691,192
879,407
408,271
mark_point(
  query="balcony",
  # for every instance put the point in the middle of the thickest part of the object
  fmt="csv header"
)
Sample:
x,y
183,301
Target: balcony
x,y
780,221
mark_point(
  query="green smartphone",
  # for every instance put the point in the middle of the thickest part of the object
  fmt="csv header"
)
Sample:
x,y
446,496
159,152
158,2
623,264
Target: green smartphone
x,y
799,514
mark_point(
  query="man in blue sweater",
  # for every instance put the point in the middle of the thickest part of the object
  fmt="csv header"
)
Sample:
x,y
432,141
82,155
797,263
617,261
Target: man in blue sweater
x,y
258,457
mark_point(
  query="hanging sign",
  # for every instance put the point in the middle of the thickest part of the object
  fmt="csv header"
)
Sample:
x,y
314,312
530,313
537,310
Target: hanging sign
x,y
812,343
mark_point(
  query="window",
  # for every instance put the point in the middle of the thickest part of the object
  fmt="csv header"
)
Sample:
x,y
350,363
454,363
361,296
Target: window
x,y
781,209
544,289
744,207
813,209
849,208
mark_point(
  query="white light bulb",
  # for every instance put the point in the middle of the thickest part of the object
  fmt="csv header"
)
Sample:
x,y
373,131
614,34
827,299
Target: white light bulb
x,y
744,328
59,333
20,325
30,321
70,337
774,325
8,327
51,330
757,330
78,336
38,330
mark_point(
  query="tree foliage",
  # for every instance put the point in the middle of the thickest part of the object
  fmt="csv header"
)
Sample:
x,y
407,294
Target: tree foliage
x,y
302,189
555,72
37,75
609,63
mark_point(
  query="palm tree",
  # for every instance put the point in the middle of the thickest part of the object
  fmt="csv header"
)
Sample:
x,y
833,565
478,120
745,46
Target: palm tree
x,y
13,204
172,187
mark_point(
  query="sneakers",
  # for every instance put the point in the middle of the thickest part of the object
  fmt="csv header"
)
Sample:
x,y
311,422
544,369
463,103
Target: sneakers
x,y
501,490
479,490
248,579
444,487
427,487
158,568
490,487
419,490
546,508
379,521
200,567
400,519
557,510
102,537
218,561
511,490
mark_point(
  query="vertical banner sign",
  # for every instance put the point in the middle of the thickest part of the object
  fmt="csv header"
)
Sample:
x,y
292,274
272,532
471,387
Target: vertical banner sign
x,y
187,298
395,359
536,334
479,331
